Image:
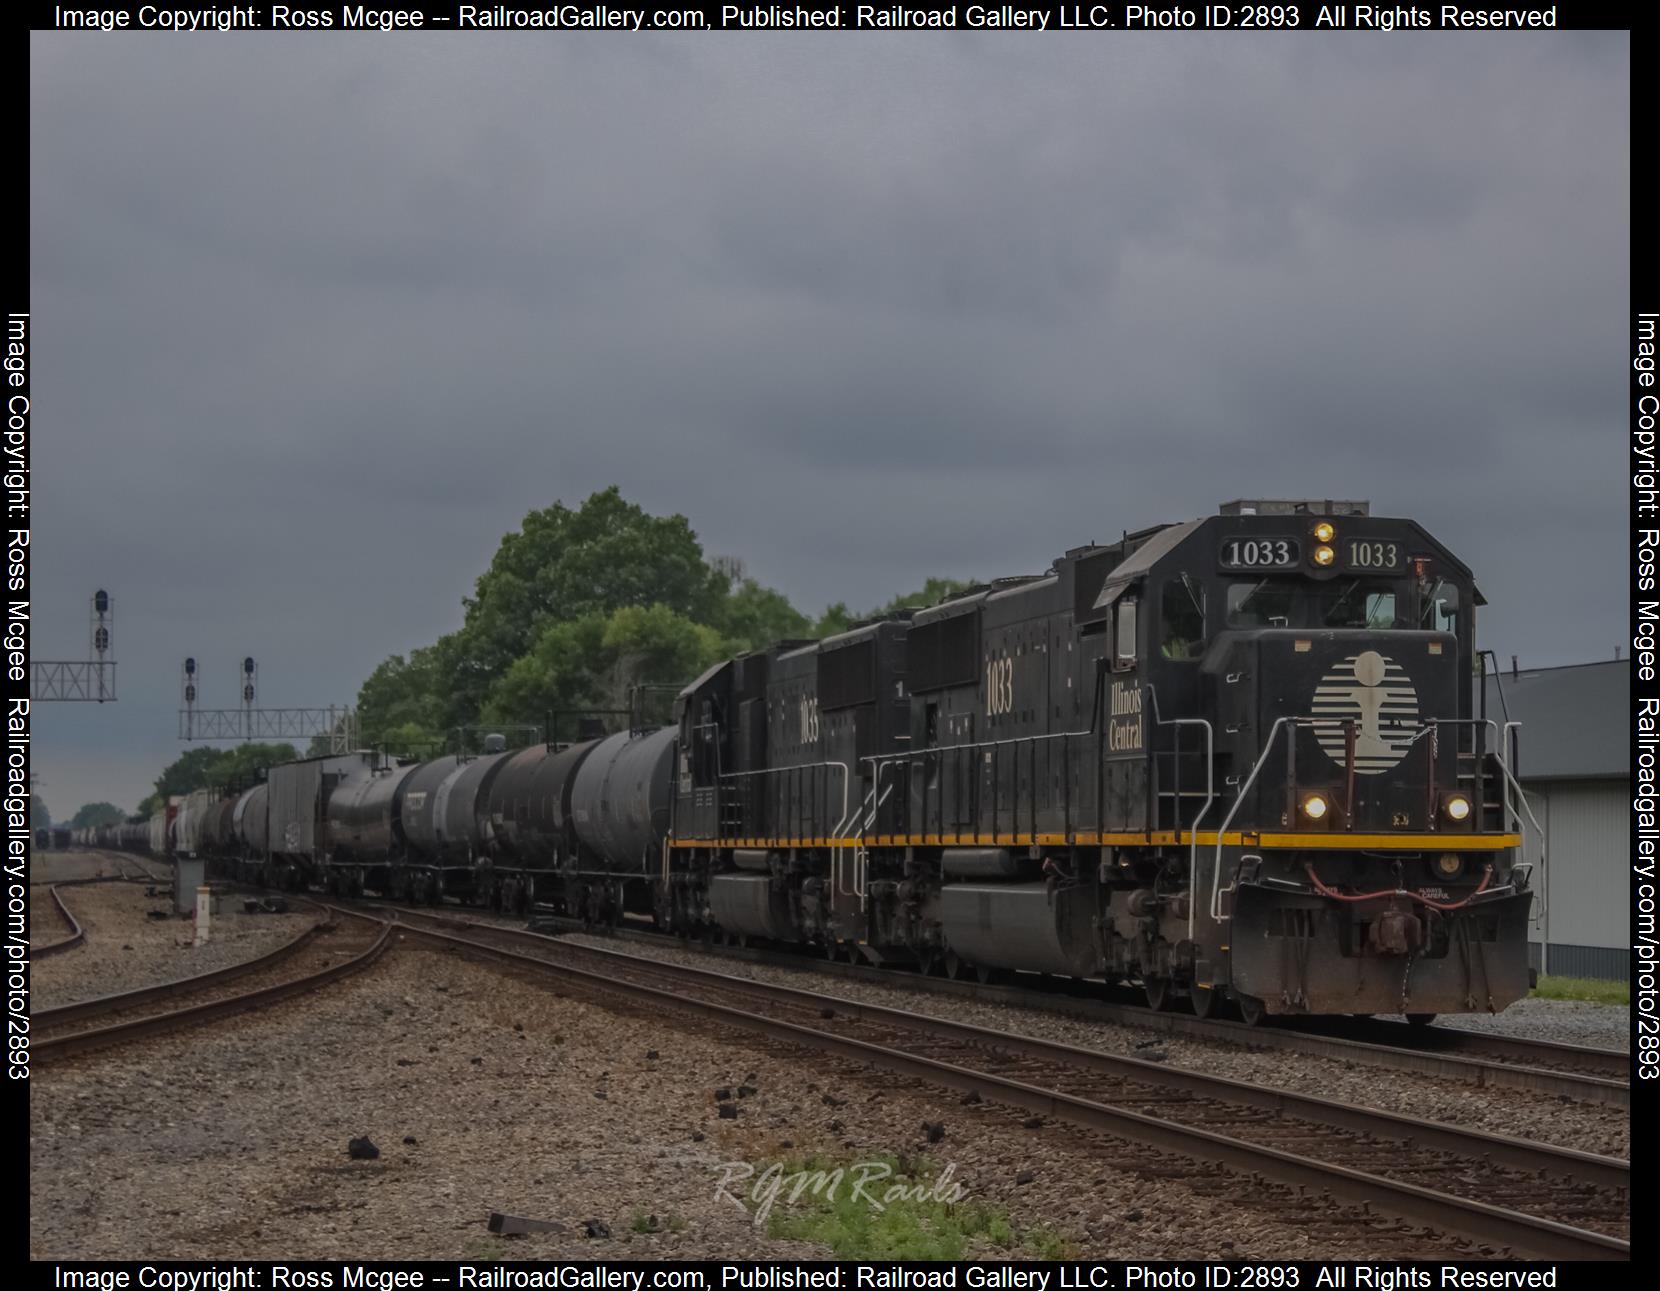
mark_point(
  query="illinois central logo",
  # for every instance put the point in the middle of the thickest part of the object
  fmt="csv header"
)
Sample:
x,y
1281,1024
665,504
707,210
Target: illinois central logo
x,y
1374,692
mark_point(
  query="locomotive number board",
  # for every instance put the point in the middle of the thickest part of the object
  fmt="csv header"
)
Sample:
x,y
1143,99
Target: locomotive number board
x,y
1259,553
1380,554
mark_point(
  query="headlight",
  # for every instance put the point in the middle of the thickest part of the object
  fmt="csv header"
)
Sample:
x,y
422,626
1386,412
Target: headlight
x,y
1457,807
1449,865
1315,806
1323,532
1324,555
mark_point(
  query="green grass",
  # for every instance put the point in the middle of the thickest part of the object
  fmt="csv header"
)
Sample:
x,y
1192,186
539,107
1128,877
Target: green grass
x,y
929,1220
1594,989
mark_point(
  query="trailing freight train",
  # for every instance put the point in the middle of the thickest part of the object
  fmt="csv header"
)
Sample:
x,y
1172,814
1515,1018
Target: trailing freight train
x,y
1237,759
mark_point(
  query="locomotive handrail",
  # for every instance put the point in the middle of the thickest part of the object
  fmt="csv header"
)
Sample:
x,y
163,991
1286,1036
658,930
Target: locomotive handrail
x,y
1539,832
882,760
1210,797
1268,747
1239,799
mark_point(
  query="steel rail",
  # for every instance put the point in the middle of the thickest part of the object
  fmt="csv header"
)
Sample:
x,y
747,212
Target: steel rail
x,y
1525,1154
100,1005
1442,1211
77,934
158,1023
1423,1051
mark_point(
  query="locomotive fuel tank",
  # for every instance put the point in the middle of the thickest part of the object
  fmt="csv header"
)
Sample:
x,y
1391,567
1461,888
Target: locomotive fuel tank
x,y
620,801
1035,926
752,904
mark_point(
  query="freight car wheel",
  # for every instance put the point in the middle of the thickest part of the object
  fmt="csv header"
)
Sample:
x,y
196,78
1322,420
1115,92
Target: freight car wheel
x,y
1252,1010
1421,1019
1204,1000
982,974
1158,993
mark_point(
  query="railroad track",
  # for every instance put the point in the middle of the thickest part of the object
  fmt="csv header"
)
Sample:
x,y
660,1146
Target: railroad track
x,y
1600,1076
1525,1197
77,934
318,956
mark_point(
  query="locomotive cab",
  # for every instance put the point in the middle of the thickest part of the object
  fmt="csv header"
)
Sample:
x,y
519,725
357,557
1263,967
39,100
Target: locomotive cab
x,y
1360,860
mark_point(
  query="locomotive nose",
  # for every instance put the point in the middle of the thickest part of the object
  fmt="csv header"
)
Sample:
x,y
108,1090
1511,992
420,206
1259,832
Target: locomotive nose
x,y
1339,726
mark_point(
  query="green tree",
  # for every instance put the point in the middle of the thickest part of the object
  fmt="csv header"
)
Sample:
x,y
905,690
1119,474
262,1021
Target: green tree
x,y
753,617
204,768
597,661
402,694
94,814
563,564
838,618
39,817
932,592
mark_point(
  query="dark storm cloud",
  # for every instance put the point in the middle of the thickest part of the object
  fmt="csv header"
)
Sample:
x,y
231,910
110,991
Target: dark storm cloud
x,y
320,319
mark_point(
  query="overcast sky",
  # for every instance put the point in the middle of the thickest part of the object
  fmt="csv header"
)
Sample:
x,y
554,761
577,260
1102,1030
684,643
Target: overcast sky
x,y
317,319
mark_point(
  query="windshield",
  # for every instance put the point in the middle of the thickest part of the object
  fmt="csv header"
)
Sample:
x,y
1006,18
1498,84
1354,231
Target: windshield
x,y
1375,604
1265,603
1357,603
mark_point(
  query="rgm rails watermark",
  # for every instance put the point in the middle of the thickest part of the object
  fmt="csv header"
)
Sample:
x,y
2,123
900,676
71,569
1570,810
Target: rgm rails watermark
x,y
870,1182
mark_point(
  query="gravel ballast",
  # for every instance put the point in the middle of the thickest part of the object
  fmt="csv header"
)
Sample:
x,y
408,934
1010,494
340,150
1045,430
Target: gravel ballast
x,y
1599,1026
481,1091
1588,1127
126,949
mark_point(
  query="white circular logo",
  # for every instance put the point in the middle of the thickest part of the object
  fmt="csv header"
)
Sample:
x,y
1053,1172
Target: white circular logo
x,y
1374,692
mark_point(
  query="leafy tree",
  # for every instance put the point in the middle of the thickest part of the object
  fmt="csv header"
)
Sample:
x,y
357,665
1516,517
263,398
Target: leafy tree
x,y
39,817
401,693
204,768
838,618
753,617
562,565
94,814
932,592
595,662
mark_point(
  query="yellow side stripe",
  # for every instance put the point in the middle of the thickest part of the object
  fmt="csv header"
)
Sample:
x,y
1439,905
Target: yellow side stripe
x,y
1155,838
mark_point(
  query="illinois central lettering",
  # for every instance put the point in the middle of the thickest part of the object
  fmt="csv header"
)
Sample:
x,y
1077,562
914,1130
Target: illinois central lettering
x,y
1124,725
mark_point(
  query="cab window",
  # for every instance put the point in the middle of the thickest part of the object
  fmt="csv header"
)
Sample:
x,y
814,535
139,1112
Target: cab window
x,y
1182,612
1438,608
1124,637
1264,603
1357,603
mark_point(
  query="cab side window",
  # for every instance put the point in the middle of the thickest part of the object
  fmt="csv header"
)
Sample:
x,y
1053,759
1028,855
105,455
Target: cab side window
x,y
1182,620
1440,608
1124,648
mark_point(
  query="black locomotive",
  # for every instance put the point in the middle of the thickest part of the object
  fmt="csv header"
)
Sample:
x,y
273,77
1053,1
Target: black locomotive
x,y
1237,758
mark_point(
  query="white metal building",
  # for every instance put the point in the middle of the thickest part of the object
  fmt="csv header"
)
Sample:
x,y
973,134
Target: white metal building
x,y
1575,766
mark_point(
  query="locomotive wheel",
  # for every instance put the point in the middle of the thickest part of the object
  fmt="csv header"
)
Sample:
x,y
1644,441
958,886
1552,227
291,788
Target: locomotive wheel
x,y
1421,1019
832,950
1158,993
1204,1001
953,965
1252,1010
927,963
982,974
